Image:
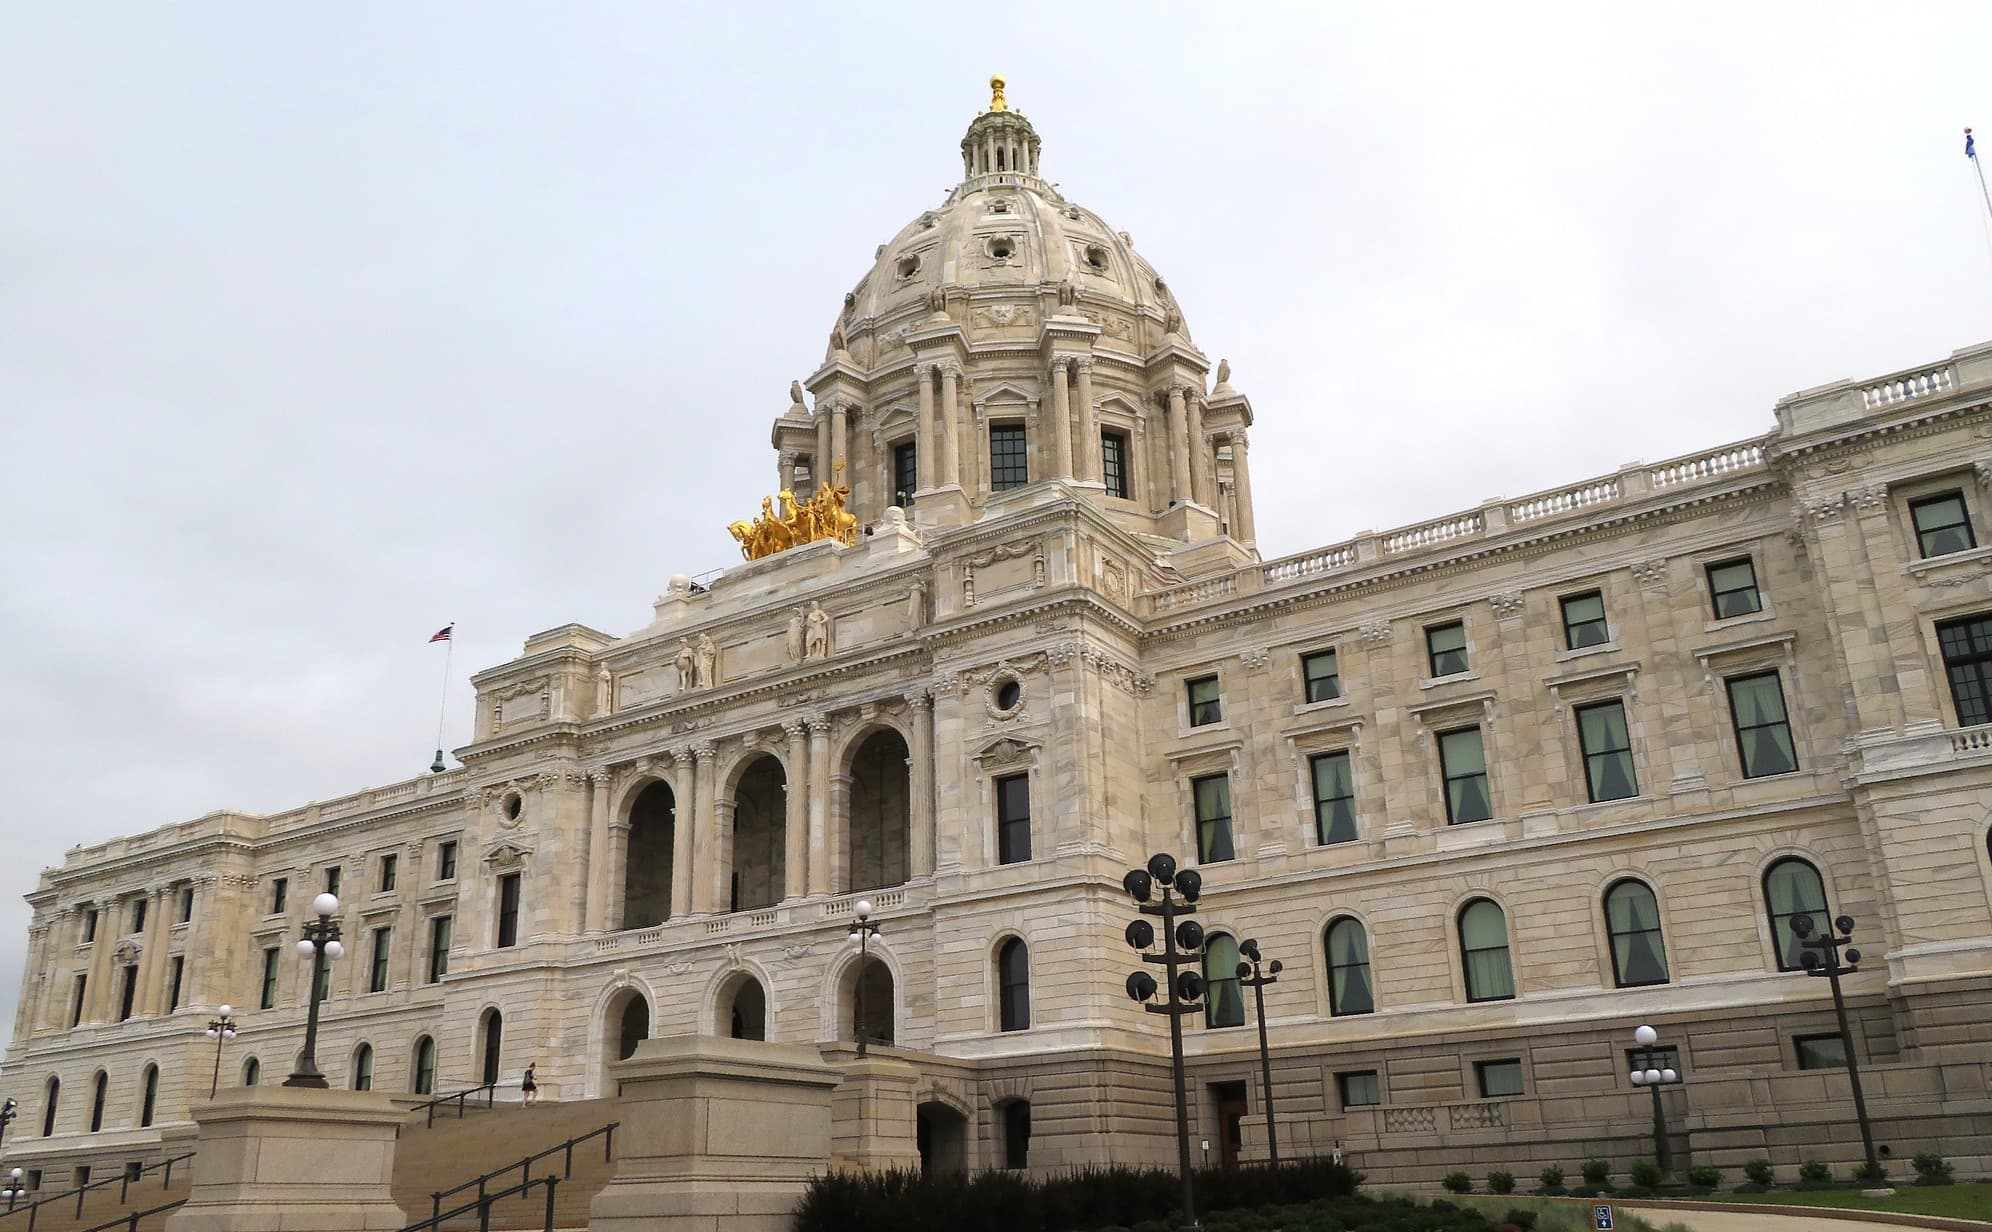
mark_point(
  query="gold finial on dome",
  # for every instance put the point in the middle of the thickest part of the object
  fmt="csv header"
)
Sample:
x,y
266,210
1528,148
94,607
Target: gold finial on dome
x,y
996,100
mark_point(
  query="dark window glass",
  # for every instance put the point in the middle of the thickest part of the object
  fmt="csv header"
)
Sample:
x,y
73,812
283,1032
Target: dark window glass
x,y
439,948
1321,675
89,925
425,1066
1499,1078
186,904
1653,1058
1763,732
333,876
390,871
1446,645
279,895
1334,798
1821,1051
138,906
1463,762
1013,976
1359,1089
1349,988
322,978
363,1068
151,1097
101,1093
1943,525
1607,747
1632,917
1205,704
252,1072
1483,948
1224,1000
1732,588
905,474
446,860
1213,804
1584,621
268,999
76,1000
508,910
127,992
1792,888
175,975
1113,464
377,973
1013,818
1008,465
48,1108
1017,1134
1967,651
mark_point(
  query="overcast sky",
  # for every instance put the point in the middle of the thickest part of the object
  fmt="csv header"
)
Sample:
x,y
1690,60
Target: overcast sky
x,y
321,328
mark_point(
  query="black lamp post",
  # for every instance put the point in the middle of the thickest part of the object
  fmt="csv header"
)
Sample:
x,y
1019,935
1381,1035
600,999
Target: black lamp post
x,y
863,929
16,1188
1250,977
220,1029
1185,988
1645,1074
321,945
1822,957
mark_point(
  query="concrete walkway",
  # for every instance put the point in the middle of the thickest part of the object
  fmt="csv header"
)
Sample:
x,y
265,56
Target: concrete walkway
x,y
1758,1219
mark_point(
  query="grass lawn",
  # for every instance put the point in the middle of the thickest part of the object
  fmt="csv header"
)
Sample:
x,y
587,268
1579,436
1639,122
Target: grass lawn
x,y
1955,1201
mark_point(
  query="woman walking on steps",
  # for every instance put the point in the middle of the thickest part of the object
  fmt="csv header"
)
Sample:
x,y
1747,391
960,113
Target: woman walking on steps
x,y
530,1088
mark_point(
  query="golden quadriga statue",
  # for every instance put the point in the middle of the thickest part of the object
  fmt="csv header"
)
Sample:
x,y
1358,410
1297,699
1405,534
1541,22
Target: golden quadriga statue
x,y
822,516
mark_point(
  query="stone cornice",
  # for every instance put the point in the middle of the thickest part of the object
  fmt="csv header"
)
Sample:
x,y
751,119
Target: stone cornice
x,y
1930,420
198,853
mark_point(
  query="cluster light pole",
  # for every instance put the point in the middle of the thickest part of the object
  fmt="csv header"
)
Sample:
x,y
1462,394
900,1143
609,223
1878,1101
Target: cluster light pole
x,y
863,929
1822,957
1250,976
321,945
1646,1074
220,1029
1185,988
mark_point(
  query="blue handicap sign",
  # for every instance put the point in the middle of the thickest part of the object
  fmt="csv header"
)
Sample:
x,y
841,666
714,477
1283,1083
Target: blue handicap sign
x,y
1602,1218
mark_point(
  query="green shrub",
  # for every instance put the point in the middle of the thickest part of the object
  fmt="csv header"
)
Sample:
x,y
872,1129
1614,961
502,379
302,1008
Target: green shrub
x,y
1759,1171
1876,1175
1704,1176
1815,1172
1551,1179
1931,1168
1644,1173
1458,1182
1596,1171
1500,1182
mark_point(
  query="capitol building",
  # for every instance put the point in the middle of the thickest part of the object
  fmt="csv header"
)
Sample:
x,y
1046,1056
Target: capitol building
x,y
1496,788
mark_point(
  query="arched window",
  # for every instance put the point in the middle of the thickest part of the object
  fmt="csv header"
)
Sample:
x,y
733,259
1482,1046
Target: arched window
x,y
1349,988
425,1066
1013,985
252,1072
150,1098
1632,917
48,1107
363,1068
100,1091
747,1015
1224,1002
1483,952
1791,889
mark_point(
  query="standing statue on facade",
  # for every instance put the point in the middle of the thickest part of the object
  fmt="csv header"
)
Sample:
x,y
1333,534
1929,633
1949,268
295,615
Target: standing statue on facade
x,y
708,661
916,602
817,639
792,645
687,662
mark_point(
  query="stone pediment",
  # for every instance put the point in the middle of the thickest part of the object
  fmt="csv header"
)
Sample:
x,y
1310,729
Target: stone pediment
x,y
507,856
1008,751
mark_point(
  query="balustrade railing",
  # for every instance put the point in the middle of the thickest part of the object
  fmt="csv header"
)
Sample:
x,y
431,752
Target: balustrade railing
x,y
1427,534
1972,739
1550,504
1747,456
1904,386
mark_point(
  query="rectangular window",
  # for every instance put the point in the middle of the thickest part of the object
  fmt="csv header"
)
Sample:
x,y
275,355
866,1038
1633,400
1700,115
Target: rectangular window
x,y
508,911
1213,802
1321,676
1607,747
1499,1078
1446,645
1463,762
1763,732
390,871
89,925
268,999
1652,1058
322,973
1732,588
1967,649
1013,818
1821,1051
76,1000
1205,705
127,993
1334,798
279,895
446,860
332,879
1584,621
377,974
439,948
1113,464
1359,1089
905,474
1943,524
138,908
1008,464
186,904
176,974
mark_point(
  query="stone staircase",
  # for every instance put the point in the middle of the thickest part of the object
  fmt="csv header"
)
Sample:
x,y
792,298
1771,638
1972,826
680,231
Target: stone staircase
x,y
426,1159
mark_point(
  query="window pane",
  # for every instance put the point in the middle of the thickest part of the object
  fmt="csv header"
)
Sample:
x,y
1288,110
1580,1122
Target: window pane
x,y
1463,763
1113,463
1359,1090
1763,735
1821,1052
1334,798
1483,939
1498,1078
1224,1004
1967,651
1447,646
1013,818
1632,916
1213,805
1014,973
905,475
1793,888
1205,704
1321,676
1584,621
1942,524
1007,465
1607,750
1732,587
1349,989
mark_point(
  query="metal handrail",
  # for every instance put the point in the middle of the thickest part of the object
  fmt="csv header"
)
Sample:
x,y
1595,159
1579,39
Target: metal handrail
x,y
524,1166
490,1090
123,1181
130,1222
482,1205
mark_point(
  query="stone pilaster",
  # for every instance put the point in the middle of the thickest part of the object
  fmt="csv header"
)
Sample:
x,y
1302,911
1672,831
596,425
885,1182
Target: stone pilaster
x,y
1087,459
920,845
704,844
600,871
1061,418
819,805
923,439
795,829
1244,528
951,421
1179,442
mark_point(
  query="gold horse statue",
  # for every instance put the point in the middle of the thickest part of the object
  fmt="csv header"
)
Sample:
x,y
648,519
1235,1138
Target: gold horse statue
x,y
822,516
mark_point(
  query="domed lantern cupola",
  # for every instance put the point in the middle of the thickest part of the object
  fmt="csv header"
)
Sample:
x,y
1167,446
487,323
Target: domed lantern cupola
x,y
1000,146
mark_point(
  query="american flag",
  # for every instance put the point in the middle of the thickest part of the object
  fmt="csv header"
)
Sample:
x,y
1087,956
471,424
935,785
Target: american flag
x,y
443,634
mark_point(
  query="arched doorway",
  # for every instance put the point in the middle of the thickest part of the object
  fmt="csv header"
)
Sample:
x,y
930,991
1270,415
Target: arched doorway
x,y
653,819
943,1139
760,829
624,1024
875,1024
881,812
744,1009
492,1029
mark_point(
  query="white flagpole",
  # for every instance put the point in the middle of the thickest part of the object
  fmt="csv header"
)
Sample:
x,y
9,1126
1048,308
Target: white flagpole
x,y
449,651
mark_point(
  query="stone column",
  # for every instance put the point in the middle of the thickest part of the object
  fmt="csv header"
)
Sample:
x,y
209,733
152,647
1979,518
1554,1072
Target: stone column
x,y
599,875
705,849
795,825
210,902
158,937
272,1157
920,844
1203,475
1179,443
97,994
1243,529
34,982
839,832
720,883
1088,458
819,466
819,805
1061,419
923,439
839,441
787,466
684,795
950,424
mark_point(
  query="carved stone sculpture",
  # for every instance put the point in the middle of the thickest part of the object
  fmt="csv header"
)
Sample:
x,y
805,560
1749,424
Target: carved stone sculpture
x,y
792,644
708,652
817,638
687,667
916,602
